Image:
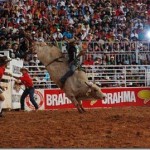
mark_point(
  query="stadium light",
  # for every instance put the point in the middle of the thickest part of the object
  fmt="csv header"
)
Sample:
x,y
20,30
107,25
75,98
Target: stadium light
x,y
148,34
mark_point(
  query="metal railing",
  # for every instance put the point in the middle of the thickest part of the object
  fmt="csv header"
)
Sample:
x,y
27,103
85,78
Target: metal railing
x,y
119,72
116,53
103,76
126,53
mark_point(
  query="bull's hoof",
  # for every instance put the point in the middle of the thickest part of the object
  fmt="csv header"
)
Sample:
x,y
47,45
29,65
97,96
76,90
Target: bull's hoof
x,y
81,111
84,110
1,114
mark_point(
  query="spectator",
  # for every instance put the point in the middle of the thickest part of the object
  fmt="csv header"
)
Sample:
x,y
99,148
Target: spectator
x,y
134,35
67,34
89,60
58,35
26,60
16,53
123,23
2,43
98,61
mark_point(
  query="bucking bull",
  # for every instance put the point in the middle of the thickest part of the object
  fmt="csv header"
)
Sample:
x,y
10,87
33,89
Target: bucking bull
x,y
76,87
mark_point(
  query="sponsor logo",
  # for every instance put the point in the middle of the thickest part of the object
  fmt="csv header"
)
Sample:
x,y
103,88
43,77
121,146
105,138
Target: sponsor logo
x,y
144,95
93,102
38,98
119,97
56,99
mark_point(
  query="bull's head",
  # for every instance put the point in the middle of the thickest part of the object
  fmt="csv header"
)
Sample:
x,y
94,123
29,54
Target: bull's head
x,y
94,91
33,44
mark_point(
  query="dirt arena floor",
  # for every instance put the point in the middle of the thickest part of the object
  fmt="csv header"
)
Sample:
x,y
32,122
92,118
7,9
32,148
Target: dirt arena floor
x,y
97,128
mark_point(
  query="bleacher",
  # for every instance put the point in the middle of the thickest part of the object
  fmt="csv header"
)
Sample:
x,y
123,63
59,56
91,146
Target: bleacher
x,y
115,35
103,76
130,72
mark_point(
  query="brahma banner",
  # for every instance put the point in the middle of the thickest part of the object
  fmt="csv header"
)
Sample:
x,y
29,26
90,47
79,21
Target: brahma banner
x,y
56,99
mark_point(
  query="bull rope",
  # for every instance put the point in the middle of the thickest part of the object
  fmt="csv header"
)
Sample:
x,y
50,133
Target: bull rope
x,y
56,59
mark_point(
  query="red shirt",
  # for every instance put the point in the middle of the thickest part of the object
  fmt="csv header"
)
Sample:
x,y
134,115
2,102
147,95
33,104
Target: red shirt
x,y
88,62
26,80
2,70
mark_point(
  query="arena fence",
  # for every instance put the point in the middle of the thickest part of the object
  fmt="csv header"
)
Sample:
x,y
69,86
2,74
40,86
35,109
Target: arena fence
x,y
117,81
49,97
102,75
126,53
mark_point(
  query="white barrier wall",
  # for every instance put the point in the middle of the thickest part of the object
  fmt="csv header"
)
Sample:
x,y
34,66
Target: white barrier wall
x,y
12,94
7,92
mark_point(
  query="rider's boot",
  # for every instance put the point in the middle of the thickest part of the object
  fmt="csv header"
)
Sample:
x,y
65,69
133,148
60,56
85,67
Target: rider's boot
x,y
67,75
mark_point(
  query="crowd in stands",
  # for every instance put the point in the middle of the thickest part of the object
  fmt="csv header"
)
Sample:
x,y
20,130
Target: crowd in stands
x,y
113,32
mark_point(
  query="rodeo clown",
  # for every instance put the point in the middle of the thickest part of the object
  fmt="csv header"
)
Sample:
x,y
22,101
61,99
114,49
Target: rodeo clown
x,y
26,80
3,64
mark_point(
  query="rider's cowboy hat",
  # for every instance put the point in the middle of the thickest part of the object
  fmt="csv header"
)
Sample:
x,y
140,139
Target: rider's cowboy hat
x,y
4,60
23,68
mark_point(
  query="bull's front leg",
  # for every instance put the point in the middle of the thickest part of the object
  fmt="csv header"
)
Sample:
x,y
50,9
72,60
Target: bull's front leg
x,y
76,104
80,104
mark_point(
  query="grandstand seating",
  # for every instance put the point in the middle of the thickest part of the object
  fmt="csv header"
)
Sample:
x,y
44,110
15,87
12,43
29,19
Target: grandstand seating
x,y
115,35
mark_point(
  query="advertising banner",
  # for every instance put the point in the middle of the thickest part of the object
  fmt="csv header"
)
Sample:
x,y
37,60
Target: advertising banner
x,y
39,98
56,99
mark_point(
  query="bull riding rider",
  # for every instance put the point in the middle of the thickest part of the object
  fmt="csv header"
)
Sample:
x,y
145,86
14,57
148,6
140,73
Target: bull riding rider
x,y
26,80
73,55
3,65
